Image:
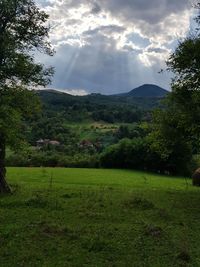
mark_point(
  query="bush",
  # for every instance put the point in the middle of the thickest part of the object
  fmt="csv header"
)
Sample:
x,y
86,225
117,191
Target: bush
x,y
37,158
126,154
17,160
139,153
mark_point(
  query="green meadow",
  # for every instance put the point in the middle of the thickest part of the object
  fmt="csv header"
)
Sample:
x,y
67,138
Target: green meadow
x,y
88,217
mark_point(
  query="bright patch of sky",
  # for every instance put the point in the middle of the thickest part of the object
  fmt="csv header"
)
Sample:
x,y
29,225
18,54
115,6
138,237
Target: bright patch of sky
x,y
112,46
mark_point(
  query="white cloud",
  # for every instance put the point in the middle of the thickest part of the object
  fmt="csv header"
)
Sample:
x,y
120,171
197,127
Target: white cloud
x,y
75,92
108,32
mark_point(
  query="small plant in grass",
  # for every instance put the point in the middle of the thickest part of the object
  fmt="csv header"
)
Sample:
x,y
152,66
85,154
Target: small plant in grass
x,y
57,230
44,172
95,244
145,179
139,202
184,253
184,256
37,201
153,231
15,188
51,181
163,214
67,196
44,200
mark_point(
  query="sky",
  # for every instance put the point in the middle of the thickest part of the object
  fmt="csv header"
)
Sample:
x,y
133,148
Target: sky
x,y
113,46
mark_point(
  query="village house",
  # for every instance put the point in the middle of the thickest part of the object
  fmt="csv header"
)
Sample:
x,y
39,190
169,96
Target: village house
x,y
45,142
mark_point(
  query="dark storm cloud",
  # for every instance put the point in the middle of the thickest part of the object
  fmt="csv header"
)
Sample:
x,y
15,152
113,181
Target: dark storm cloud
x,y
149,11
152,11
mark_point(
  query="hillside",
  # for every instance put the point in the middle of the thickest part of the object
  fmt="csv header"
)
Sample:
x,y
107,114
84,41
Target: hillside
x,y
145,97
146,91
84,126
94,107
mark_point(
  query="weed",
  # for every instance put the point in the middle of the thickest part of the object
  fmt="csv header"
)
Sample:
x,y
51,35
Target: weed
x,y
15,188
184,256
44,200
163,214
95,244
140,203
67,196
153,231
37,201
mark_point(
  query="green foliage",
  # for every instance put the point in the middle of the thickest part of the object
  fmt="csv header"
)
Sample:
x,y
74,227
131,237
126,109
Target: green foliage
x,y
50,127
82,108
22,31
15,106
126,154
185,96
132,131
176,129
167,140
51,158
155,152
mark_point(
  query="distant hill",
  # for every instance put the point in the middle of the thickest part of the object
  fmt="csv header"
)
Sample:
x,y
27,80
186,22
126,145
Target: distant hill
x,y
145,97
146,91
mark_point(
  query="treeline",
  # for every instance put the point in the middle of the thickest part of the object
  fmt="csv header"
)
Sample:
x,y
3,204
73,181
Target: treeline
x,y
165,141
52,159
131,147
134,153
95,107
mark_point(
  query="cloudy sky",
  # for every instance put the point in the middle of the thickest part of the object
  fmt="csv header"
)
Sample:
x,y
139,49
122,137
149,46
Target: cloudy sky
x,y
111,46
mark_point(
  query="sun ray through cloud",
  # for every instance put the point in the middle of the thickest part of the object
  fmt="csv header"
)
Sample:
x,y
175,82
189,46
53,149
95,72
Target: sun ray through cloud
x,y
106,46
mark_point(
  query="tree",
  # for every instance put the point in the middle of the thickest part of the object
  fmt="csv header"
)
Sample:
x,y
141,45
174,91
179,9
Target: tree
x,y
23,31
185,64
128,153
176,134
169,142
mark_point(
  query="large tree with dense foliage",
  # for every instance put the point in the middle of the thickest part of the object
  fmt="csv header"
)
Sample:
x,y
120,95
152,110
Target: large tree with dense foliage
x,y
23,31
176,134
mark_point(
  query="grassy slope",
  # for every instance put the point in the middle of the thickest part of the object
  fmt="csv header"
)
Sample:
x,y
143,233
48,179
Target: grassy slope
x,y
80,217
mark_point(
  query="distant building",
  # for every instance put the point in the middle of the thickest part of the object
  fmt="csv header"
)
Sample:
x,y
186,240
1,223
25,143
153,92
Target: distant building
x,y
54,143
86,144
45,142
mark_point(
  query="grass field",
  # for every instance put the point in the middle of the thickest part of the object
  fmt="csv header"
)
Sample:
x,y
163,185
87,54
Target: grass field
x,y
81,217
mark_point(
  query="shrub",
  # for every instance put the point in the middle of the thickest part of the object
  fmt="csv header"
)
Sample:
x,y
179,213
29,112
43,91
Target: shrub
x,y
51,159
126,154
139,153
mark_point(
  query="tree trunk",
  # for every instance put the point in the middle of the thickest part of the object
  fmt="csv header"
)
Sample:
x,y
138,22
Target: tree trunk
x,y
4,187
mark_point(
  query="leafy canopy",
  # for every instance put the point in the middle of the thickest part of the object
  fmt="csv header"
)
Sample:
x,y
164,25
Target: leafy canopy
x,y
23,32
176,134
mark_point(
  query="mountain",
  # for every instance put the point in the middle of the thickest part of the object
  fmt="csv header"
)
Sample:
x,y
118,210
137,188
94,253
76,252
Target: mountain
x,y
146,91
144,98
